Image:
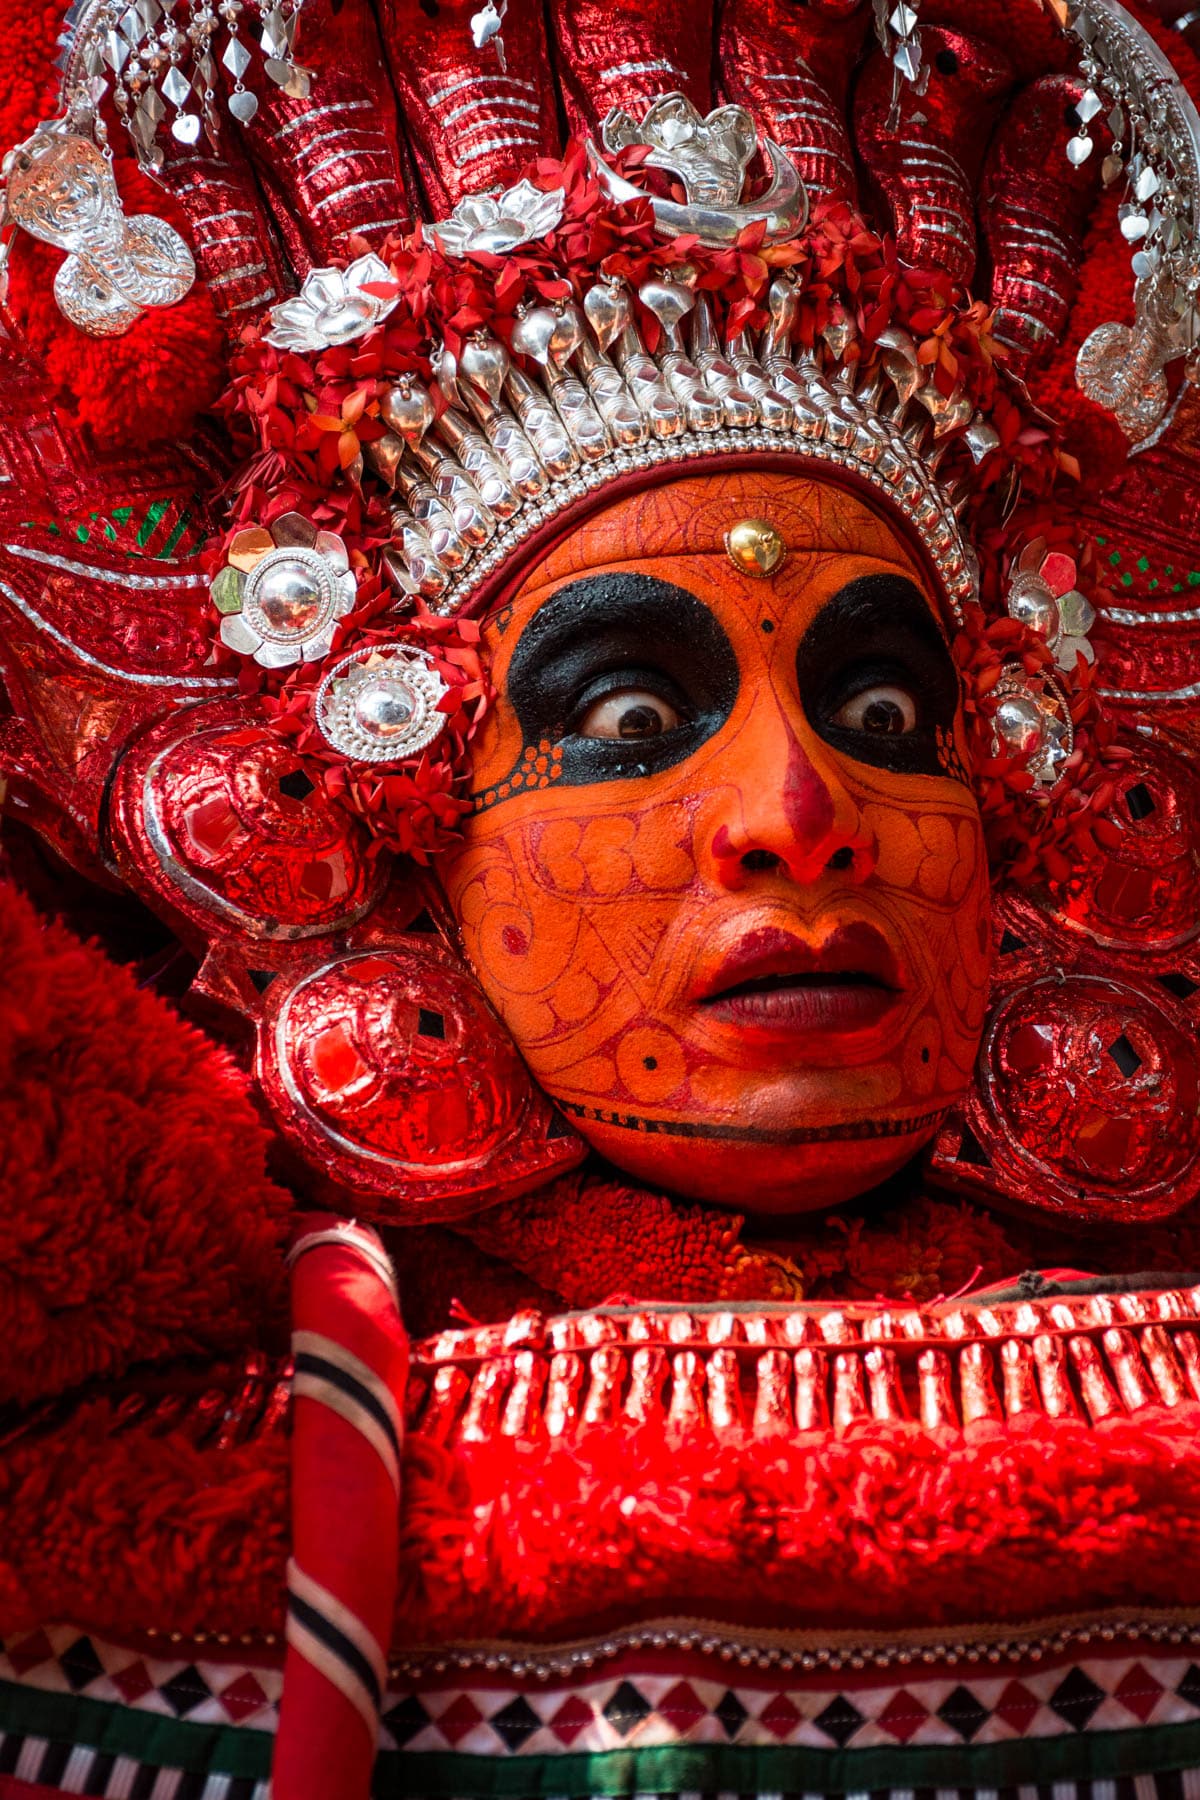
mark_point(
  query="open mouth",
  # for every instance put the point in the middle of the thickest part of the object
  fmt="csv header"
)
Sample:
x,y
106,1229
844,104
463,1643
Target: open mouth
x,y
776,981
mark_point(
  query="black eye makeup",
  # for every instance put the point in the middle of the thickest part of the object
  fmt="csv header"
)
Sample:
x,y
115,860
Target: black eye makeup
x,y
876,677
627,673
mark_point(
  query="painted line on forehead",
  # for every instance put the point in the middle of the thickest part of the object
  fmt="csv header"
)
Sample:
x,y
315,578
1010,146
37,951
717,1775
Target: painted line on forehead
x,y
501,587
752,1134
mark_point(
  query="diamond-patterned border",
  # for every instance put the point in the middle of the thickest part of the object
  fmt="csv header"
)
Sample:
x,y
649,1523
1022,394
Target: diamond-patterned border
x,y
60,1659
639,1709
631,1706
663,1735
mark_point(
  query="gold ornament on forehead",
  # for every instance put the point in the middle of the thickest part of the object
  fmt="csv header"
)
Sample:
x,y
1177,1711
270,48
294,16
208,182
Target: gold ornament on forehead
x,y
755,547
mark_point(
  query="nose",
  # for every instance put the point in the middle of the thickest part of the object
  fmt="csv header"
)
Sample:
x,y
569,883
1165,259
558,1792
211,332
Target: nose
x,y
784,807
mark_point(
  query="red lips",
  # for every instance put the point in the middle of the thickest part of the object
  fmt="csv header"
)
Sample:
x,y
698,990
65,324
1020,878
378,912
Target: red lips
x,y
774,981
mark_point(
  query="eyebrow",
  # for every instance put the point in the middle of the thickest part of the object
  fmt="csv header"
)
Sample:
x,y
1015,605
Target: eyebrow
x,y
882,599
615,596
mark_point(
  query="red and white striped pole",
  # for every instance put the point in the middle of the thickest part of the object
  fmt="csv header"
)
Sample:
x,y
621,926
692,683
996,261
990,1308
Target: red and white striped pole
x,y
351,1364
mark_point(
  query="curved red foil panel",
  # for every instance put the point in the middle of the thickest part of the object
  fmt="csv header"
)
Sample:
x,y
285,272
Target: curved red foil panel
x,y
387,1068
791,66
626,54
332,163
236,250
215,823
1085,1102
474,117
926,163
1033,211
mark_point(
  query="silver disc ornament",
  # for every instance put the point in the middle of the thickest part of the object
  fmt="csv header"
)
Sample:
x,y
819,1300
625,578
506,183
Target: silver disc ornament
x,y
381,705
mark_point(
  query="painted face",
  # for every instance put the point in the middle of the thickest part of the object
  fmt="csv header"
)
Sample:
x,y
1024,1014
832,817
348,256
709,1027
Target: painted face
x,y
725,879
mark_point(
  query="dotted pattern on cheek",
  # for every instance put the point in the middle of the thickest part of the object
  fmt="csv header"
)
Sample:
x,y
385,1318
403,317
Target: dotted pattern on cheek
x,y
540,766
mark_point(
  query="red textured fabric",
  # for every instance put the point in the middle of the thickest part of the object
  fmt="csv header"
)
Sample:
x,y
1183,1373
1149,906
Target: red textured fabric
x,y
136,1217
585,1240
30,77
887,1527
134,1530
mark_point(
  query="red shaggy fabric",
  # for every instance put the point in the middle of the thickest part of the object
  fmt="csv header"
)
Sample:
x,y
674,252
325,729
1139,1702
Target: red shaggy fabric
x,y
128,1531
30,33
889,1525
443,1278
136,1218
587,1239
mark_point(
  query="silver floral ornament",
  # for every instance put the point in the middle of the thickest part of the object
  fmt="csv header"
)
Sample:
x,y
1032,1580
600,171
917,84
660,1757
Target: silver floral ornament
x,y
1032,724
1042,595
331,308
283,591
380,705
499,223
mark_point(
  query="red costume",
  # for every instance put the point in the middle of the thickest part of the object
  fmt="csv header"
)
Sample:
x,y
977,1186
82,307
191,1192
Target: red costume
x,y
635,702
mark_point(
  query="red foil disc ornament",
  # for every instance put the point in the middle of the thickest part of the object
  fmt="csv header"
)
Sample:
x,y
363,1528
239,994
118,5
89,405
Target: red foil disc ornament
x,y
1085,1105
1141,889
388,1069
216,819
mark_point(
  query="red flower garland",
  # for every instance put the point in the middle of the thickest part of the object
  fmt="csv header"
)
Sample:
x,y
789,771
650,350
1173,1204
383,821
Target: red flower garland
x,y
413,807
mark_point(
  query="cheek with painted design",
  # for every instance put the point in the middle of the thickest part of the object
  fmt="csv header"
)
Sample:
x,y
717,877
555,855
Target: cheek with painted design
x,y
749,965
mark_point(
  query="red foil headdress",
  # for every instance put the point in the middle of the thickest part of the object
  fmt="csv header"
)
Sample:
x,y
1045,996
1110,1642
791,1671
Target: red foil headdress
x,y
248,688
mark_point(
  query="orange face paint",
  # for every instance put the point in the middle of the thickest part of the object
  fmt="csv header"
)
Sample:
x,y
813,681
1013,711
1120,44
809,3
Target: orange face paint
x,y
747,953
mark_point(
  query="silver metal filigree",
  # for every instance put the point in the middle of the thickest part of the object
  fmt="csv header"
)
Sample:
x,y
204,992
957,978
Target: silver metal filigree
x,y
1062,621
1122,367
331,308
487,26
898,29
380,705
499,223
594,416
159,60
283,591
1032,723
59,188
1156,148
710,155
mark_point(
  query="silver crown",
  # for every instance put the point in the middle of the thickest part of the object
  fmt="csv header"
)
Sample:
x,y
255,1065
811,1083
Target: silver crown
x,y
510,452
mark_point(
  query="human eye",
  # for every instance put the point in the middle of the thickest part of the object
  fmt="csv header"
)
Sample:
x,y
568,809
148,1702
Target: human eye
x,y
883,709
628,707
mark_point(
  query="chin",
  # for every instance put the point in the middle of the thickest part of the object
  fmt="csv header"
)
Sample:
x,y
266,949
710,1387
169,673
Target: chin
x,y
756,1177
